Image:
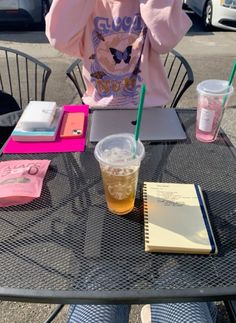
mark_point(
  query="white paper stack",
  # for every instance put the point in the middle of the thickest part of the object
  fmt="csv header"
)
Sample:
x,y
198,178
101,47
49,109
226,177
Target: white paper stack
x,y
38,115
49,134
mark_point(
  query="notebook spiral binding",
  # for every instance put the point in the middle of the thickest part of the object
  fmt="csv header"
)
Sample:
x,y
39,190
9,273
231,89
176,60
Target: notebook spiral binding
x,y
145,212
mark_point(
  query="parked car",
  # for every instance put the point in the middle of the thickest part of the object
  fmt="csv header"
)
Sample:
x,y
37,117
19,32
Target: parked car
x,y
23,11
218,13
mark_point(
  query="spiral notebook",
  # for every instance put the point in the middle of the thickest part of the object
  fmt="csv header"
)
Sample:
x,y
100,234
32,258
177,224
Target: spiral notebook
x,y
176,219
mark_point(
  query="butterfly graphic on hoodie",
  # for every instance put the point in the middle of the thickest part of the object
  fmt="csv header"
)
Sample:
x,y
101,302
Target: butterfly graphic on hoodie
x,y
118,56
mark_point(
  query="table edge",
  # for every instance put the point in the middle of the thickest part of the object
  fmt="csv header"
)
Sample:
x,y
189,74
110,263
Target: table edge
x,y
112,297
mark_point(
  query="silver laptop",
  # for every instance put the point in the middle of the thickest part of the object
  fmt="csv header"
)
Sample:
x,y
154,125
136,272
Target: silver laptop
x,y
158,124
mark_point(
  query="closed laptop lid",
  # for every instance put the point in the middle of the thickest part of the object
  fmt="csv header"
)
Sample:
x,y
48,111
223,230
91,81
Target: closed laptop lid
x,y
158,124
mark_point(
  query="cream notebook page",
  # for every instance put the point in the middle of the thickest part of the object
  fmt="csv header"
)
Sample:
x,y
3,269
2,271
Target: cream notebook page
x,y
176,219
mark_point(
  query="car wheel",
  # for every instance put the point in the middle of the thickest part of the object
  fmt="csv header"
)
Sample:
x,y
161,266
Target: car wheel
x,y
184,5
41,25
46,7
208,16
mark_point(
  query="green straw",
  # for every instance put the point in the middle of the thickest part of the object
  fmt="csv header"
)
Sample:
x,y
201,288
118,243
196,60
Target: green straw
x,y
140,111
231,77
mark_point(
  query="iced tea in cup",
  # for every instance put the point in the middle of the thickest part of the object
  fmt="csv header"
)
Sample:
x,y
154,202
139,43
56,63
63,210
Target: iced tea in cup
x,y
212,96
119,157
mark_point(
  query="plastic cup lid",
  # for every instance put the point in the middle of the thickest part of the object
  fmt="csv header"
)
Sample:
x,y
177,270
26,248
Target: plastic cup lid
x,y
118,143
213,87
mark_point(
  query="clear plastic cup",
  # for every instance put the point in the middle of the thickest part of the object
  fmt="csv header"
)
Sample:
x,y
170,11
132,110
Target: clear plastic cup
x,y
212,96
119,157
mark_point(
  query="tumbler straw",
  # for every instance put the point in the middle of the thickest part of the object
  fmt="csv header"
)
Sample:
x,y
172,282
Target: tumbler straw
x,y
139,114
225,98
140,111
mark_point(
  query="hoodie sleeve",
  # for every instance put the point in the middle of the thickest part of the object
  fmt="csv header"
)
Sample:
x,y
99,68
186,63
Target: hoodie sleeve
x,y
65,24
167,23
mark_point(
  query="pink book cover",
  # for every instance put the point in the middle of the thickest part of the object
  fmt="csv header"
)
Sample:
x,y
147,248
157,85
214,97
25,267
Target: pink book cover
x,y
59,145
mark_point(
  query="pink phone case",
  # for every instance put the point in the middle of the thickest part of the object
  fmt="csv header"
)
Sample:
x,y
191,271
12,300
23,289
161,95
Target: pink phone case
x,y
72,125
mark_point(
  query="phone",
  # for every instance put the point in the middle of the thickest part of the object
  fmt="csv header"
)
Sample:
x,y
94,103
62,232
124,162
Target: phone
x,y
72,125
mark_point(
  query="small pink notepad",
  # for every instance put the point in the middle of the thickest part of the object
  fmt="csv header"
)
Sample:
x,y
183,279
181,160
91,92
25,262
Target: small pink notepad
x,y
59,145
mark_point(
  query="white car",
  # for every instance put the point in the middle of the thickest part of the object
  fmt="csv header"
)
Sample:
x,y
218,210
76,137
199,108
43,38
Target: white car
x,y
218,13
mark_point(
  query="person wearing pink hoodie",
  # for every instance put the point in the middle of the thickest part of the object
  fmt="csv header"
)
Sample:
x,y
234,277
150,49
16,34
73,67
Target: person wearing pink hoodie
x,y
120,43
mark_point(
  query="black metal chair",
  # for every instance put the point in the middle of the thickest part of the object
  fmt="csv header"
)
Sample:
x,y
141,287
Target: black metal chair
x,y
74,72
178,71
230,306
180,75
22,76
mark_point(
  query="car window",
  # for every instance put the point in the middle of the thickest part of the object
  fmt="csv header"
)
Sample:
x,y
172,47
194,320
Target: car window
x,y
8,4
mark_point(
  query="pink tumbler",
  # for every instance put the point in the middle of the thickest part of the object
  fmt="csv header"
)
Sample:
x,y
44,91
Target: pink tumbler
x,y
213,97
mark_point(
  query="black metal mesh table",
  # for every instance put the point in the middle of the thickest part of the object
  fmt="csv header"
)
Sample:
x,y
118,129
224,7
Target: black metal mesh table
x,y
65,247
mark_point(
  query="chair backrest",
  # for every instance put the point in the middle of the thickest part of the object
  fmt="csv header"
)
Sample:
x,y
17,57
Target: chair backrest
x,y
74,72
178,71
180,75
22,76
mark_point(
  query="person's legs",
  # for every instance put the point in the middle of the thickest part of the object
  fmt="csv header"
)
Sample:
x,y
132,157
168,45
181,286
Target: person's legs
x,y
98,314
179,313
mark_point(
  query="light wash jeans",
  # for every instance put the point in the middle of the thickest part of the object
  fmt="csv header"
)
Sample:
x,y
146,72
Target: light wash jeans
x,y
160,313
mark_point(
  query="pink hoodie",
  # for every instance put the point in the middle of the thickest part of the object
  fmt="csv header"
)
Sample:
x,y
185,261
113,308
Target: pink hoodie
x,y
120,42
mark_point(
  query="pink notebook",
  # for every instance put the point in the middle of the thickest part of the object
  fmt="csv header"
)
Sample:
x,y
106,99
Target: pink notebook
x,y
59,145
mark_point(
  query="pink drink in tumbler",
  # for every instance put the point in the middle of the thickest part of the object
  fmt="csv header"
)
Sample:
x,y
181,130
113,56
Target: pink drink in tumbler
x,y
212,95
